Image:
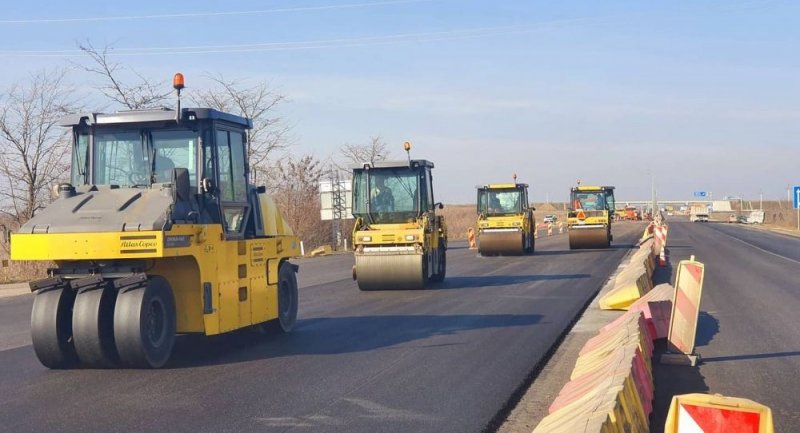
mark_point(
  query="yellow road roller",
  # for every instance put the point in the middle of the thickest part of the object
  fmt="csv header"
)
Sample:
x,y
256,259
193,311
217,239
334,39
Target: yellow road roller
x,y
157,233
505,220
400,242
590,215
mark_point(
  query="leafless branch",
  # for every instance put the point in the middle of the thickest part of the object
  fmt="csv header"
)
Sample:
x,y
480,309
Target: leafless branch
x,y
258,102
144,93
33,148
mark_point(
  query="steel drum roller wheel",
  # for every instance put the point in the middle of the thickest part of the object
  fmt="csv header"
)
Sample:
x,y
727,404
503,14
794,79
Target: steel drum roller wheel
x,y
501,244
144,324
287,297
589,238
391,271
51,328
93,327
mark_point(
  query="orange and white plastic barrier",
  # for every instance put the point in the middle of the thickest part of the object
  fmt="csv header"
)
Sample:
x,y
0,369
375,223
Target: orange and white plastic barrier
x,y
685,312
549,229
633,282
703,413
560,227
611,386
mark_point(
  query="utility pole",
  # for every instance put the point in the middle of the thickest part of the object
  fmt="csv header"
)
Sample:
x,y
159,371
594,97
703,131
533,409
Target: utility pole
x,y
339,207
653,194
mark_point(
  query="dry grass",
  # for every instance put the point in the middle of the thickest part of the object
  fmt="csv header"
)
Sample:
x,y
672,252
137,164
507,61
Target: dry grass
x,y
17,272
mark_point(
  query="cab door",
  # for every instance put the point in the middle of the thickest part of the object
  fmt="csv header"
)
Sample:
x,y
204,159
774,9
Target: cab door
x,y
233,264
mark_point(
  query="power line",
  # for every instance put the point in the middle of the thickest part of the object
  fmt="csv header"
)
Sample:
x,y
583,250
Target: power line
x,y
210,14
310,45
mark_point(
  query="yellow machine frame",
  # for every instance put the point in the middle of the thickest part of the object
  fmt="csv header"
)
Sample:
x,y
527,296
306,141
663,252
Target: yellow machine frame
x,y
513,226
219,285
590,220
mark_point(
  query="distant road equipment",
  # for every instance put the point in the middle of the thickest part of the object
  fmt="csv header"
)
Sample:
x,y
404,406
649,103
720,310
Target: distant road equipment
x,y
399,240
505,220
158,233
590,215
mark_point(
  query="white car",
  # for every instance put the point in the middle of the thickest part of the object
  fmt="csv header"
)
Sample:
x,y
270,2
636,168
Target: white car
x,y
699,218
549,219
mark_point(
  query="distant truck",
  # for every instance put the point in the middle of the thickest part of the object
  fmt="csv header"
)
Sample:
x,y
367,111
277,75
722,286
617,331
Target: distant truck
x,y
632,214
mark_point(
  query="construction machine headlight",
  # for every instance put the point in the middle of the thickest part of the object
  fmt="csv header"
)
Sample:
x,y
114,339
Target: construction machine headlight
x,y
516,224
411,237
483,225
366,238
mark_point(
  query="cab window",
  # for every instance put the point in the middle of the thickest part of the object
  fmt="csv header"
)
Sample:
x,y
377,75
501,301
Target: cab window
x,y
174,149
79,152
232,180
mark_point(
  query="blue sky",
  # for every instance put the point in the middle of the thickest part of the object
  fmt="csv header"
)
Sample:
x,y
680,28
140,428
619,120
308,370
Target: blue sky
x,y
701,95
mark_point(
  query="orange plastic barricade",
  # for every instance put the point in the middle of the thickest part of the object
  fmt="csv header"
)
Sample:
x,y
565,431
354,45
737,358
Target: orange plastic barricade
x,y
685,311
703,413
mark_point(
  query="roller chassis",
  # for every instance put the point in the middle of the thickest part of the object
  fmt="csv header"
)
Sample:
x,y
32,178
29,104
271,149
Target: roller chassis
x,y
137,264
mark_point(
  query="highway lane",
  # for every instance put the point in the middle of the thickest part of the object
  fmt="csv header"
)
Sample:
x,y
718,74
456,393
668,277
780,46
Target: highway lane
x,y
749,328
443,360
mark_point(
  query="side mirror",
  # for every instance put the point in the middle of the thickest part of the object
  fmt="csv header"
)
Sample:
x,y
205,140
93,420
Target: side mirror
x,y
438,205
208,185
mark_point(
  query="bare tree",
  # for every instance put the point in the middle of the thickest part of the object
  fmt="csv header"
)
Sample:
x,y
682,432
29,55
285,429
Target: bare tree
x,y
257,102
354,154
144,93
33,148
294,184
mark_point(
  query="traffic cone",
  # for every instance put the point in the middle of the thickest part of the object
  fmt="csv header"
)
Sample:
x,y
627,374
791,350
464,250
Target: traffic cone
x,y
471,239
662,258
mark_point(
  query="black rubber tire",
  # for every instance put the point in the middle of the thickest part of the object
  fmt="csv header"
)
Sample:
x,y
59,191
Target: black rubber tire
x,y
93,327
532,249
438,277
51,328
144,324
287,297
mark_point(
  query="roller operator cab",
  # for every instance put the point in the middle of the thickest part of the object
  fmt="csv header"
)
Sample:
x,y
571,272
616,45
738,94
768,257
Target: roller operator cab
x,y
590,215
400,242
505,220
158,232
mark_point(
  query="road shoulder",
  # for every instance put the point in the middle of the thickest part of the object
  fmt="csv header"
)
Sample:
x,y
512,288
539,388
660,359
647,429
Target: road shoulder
x,y
14,289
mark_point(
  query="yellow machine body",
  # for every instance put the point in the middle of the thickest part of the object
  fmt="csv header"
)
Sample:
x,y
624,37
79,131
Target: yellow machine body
x,y
590,215
507,229
219,285
399,243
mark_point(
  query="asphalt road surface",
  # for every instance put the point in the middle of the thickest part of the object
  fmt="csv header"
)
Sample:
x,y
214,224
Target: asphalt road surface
x,y
749,326
449,359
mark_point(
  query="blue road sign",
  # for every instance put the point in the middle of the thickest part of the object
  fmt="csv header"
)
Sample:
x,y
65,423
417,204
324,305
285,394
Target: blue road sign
x,y
700,193
797,196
